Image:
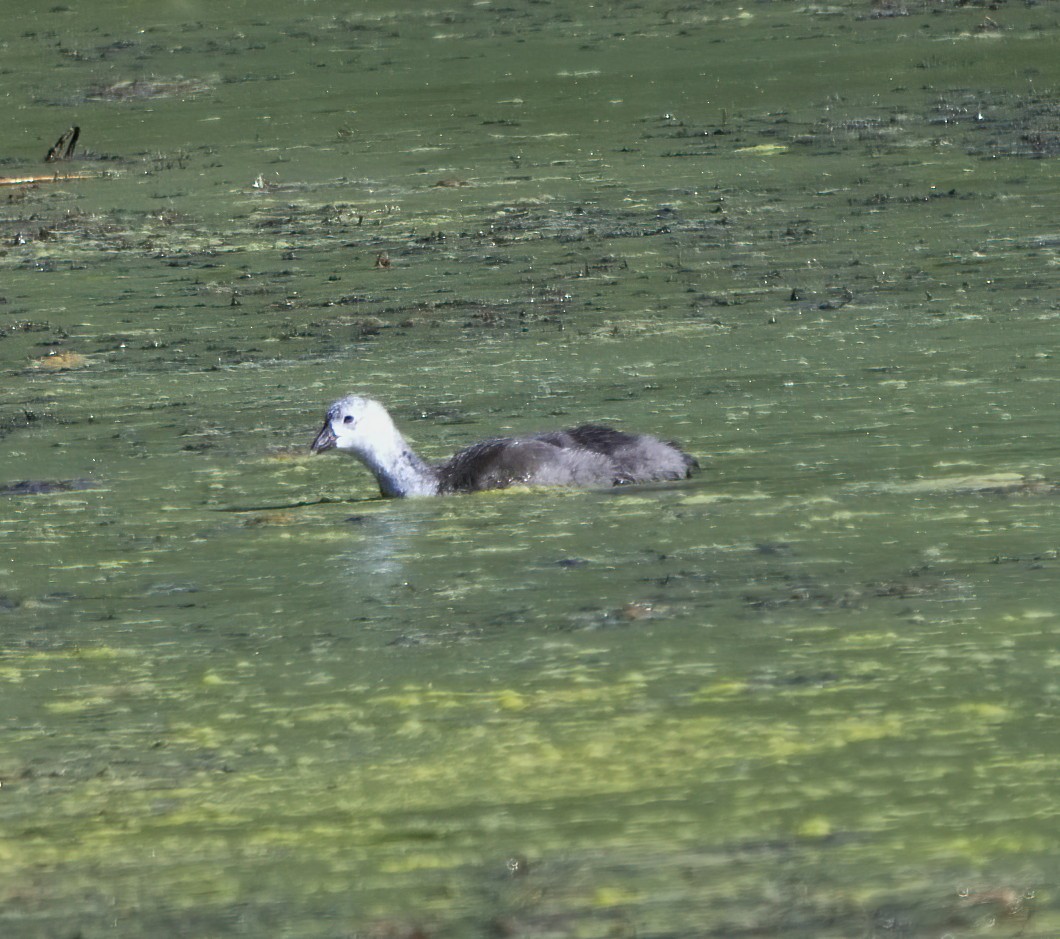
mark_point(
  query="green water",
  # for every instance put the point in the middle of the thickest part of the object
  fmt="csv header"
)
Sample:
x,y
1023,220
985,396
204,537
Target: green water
x,y
811,692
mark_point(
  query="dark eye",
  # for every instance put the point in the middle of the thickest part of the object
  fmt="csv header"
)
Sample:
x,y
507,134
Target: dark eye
x,y
348,419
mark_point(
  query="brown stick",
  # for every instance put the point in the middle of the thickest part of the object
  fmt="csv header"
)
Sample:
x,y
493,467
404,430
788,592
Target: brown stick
x,y
52,178
64,146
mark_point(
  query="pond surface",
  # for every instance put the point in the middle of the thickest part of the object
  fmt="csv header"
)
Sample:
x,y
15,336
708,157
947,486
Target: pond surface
x,y
811,692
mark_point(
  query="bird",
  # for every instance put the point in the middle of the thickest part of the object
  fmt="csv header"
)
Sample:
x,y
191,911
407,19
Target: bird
x,y
584,456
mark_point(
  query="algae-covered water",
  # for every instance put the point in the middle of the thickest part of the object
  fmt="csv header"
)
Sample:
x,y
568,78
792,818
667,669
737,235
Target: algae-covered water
x,y
811,692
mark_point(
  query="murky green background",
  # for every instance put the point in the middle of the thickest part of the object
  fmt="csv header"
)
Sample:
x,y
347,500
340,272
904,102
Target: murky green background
x,y
812,692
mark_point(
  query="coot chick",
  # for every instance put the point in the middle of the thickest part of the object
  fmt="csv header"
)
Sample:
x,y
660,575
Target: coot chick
x,y
589,455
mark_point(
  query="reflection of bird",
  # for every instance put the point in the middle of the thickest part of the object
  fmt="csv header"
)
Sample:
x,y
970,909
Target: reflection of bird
x,y
589,455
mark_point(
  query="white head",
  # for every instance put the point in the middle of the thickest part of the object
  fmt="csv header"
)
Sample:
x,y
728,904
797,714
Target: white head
x,y
363,427
359,425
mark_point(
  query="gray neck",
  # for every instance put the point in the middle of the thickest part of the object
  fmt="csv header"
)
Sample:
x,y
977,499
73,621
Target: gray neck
x,y
400,472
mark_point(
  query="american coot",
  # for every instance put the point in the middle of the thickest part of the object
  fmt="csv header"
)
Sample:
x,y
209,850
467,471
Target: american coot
x,y
589,455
